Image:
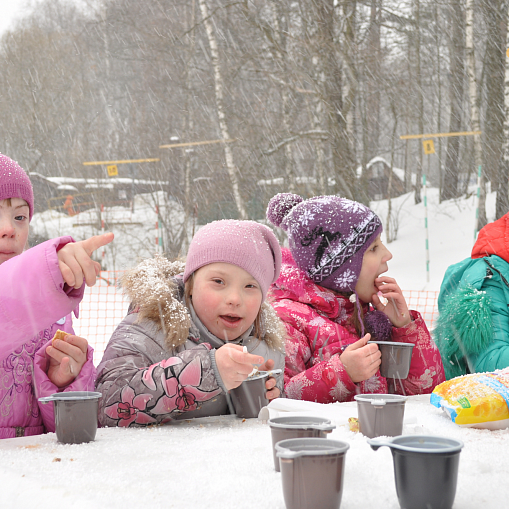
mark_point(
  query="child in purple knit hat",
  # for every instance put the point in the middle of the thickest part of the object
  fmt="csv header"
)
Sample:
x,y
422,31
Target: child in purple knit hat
x,y
330,275
40,288
196,329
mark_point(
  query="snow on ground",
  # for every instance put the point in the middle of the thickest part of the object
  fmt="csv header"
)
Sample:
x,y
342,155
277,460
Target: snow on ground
x,y
451,227
135,231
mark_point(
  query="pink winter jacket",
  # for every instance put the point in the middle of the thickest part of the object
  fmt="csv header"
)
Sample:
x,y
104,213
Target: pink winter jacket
x,y
317,322
34,303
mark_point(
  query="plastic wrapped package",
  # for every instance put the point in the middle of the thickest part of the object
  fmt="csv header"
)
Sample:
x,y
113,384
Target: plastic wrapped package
x,y
478,400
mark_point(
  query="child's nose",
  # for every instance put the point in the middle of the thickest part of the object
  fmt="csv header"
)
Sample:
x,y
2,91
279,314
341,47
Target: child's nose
x,y
233,298
388,255
6,228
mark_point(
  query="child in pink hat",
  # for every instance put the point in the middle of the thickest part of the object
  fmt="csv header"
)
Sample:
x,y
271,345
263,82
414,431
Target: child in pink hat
x,y
195,330
39,289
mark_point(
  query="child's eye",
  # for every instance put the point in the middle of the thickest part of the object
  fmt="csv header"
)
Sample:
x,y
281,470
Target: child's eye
x,y
20,218
252,285
218,281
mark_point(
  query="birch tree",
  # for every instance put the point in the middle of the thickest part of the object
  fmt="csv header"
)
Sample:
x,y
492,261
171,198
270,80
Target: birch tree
x,y
474,108
220,105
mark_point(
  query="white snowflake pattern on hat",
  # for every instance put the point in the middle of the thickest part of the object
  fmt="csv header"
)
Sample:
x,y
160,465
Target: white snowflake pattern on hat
x,y
346,278
353,206
306,216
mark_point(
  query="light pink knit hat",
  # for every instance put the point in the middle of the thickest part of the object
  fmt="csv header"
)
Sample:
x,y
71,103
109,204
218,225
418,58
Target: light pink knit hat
x,y
14,183
247,244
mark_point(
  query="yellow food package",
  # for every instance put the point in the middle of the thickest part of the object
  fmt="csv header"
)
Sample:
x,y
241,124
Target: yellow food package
x,y
478,400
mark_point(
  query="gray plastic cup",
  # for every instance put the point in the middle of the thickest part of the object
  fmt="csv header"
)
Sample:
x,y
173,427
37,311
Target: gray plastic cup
x,y
312,472
249,397
75,415
380,414
396,358
425,469
297,426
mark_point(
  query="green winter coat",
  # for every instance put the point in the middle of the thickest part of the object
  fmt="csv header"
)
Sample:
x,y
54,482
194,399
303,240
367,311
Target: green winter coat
x,y
472,331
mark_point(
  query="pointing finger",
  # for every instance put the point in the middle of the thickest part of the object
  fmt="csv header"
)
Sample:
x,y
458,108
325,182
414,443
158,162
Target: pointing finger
x,y
97,241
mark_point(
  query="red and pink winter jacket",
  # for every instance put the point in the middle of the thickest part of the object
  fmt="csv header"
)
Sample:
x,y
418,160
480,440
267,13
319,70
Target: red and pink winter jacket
x,y
34,303
319,329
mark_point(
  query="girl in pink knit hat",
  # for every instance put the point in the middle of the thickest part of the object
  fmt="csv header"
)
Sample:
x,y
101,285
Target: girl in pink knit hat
x,y
195,330
332,273
39,289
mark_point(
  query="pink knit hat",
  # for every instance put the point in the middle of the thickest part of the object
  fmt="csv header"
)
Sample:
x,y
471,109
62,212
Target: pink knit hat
x,y
247,244
14,183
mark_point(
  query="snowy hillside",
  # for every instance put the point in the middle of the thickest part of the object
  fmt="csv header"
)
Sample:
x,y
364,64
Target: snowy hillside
x,y
451,236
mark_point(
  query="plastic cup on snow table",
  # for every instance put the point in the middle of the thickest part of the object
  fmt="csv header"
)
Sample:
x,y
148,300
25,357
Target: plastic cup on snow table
x,y
396,358
312,472
425,469
249,397
380,414
284,428
75,415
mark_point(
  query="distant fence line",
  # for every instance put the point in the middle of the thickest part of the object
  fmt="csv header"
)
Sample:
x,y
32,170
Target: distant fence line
x,y
103,307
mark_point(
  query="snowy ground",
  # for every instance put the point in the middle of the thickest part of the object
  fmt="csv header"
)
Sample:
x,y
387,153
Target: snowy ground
x,y
224,462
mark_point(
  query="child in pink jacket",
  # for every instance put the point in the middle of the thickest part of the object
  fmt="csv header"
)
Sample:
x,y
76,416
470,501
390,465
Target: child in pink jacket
x,y
39,288
329,277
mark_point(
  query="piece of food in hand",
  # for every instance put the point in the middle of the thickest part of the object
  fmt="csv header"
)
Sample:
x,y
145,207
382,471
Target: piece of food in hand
x,y
59,334
353,424
254,372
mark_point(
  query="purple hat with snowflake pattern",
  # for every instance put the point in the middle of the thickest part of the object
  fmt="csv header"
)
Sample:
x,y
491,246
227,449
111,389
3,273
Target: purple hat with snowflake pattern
x,y
327,235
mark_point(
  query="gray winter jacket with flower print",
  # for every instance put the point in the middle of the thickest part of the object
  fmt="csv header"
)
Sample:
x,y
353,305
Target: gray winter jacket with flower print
x,y
159,364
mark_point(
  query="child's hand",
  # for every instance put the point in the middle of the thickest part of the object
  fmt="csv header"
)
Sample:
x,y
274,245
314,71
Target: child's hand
x,y
361,361
396,308
234,364
272,391
75,263
67,357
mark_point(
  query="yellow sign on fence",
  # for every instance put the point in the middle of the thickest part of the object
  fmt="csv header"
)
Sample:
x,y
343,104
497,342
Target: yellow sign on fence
x,y
112,170
429,146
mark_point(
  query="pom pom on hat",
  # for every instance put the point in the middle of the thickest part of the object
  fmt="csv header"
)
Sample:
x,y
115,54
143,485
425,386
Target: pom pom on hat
x,y
280,205
378,325
14,183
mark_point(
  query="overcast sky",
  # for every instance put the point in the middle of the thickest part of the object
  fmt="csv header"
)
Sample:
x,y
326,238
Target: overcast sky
x,y
9,11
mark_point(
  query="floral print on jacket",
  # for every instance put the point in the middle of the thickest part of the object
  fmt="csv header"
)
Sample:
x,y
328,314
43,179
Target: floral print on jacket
x,y
318,326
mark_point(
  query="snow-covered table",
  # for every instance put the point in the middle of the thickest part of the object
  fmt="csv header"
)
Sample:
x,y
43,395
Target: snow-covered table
x,y
226,462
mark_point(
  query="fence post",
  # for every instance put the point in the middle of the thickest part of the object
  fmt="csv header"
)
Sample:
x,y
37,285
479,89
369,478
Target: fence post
x,y
426,224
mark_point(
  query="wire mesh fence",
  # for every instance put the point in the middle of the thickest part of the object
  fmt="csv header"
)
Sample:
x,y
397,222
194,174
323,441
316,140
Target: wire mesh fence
x,y
103,307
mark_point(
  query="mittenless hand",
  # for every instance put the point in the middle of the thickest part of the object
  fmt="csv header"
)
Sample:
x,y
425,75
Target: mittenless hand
x,y
272,391
360,360
234,364
75,263
396,308
66,358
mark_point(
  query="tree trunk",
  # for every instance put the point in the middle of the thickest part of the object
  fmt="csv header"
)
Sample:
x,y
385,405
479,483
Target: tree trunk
x,y
495,13
279,51
373,75
219,91
420,100
504,162
474,109
457,70
341,142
